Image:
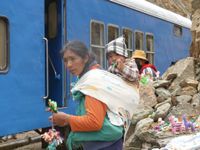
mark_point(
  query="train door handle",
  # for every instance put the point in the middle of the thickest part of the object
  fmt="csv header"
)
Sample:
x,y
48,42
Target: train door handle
x,y
56,74
47,67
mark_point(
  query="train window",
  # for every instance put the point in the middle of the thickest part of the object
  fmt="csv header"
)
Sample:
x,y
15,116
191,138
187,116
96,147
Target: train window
x,y
139,40
128,40
177,30
113,32
52,20
3,45
97,41
150,48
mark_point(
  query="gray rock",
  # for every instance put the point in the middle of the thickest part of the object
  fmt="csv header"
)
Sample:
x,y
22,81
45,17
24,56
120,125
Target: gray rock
x,y
140,113
196,100
189,90
171,76
146,146
189,82
143,131
132,148
148,136
143,125
130,131
133,142
162,111
161,83
176,91
147,95
167,101
198,77
197,70
184,99
174,101
198,88
184,108
184,69
163,94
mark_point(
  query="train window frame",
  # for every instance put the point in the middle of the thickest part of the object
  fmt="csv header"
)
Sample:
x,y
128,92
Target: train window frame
x,y
130,49
52,29
115,26
6,49
150,54
177,30
138,31
100,46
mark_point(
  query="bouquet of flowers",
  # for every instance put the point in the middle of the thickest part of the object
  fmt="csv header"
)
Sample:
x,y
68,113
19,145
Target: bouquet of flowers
x,y
52,136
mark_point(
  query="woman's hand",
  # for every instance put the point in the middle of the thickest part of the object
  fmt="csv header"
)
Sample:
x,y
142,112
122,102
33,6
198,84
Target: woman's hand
x,y
120,64
61,119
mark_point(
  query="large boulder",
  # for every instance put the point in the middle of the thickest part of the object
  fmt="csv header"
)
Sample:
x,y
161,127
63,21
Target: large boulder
x,y
162,111
184,108
184,69
183,99
142,130
189,82
189,90
147,95
196,100
163,94
140,113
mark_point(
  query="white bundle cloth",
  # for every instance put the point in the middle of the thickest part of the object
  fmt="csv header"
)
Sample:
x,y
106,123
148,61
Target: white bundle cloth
x,y
120,97
185,142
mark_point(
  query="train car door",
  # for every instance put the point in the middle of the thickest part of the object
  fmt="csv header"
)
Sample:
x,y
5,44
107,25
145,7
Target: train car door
x,y
22,66
56,33
54,27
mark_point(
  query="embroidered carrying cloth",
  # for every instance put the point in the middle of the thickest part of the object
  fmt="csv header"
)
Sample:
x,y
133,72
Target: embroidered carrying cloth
x,y
121,97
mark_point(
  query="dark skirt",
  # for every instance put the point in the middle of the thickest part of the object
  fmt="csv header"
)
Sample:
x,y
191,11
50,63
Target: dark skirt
x,y
97,145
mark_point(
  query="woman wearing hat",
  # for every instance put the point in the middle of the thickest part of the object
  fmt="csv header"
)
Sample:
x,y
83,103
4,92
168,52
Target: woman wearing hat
x,y
118,61
145,68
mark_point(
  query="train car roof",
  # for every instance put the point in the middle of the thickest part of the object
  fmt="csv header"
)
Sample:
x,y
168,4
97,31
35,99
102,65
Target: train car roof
x,y
156,11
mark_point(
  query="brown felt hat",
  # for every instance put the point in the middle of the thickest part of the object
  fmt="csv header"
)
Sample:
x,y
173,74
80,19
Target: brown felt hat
x,y
139,54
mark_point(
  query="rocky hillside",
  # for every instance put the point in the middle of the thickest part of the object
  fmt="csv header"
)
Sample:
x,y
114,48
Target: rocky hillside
x,y
191,10
166,107
182,7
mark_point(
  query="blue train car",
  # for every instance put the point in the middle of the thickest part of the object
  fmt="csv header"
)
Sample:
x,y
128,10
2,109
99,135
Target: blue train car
x,y
33,32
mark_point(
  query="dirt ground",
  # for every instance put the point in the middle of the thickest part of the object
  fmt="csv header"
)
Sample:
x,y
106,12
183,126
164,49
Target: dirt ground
x,y
21,136
34,146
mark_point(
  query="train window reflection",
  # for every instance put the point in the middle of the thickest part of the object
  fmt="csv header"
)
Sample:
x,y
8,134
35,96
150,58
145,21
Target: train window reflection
x,y
3,45
97,41
150,48
177,30
113,32
139,40
52,20
128,35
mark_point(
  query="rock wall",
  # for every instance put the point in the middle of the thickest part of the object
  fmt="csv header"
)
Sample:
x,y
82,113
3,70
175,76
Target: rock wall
x,y
191,10
176,94
195,46
182,7
195,5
